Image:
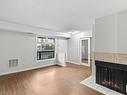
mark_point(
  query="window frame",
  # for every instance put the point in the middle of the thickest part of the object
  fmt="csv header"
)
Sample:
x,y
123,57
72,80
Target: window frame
x,y
54,49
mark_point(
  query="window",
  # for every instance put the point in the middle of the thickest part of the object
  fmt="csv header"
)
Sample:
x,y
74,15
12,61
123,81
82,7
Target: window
x,y
45,48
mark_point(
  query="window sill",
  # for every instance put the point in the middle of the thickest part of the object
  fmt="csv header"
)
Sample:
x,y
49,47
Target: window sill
x,y
45,60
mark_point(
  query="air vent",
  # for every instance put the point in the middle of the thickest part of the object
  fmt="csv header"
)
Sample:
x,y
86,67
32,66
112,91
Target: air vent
x,y
13,63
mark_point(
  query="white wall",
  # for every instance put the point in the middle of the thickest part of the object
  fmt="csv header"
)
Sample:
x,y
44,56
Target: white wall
x,y
122,32
106,34
61,51
22,46
93,49
73,54
111,33
62,45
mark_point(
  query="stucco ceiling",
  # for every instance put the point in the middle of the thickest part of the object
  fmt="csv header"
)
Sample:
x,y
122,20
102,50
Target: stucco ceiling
x,y
60,15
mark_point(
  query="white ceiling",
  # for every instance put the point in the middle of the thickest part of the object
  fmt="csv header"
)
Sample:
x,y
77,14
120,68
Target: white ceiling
x,y
60,15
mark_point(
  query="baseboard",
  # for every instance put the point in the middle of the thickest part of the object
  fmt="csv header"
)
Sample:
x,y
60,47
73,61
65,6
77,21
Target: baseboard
x,y
88,65
63,65
26,69
73,62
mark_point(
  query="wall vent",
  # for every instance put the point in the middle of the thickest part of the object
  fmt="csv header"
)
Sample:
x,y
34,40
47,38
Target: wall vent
x,y
13,63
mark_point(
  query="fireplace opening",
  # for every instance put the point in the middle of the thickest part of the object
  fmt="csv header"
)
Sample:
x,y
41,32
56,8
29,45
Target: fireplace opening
x,y
111,85
113,76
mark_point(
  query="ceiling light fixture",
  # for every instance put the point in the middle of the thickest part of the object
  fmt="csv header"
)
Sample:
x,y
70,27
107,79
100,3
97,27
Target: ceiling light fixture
x,y
73,32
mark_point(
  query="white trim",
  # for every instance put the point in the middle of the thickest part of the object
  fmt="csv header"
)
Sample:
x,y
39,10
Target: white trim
x,y
91,83
80,47
55,48
31,68
52,59
61,65
85,64
73,62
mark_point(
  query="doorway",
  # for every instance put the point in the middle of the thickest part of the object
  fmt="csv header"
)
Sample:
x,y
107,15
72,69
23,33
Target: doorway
x,y
85,51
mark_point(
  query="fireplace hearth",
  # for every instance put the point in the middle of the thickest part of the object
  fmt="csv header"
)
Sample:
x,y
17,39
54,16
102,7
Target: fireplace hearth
x,y
111,75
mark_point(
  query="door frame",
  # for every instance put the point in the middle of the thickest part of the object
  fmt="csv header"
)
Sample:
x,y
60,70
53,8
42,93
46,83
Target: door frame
x,y
88,52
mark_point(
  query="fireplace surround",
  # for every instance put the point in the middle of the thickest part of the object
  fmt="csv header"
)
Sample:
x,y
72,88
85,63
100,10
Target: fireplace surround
x,y
112,75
